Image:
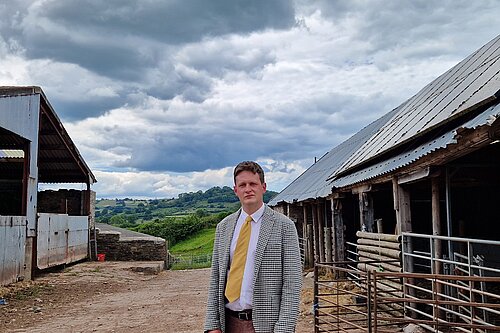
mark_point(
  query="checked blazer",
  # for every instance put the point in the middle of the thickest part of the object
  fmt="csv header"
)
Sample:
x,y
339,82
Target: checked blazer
x,y
277,274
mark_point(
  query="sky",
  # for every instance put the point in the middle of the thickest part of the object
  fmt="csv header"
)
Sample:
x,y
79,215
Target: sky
x,y
163,97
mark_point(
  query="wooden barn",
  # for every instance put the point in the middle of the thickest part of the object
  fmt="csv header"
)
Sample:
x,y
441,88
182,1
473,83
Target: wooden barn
x,y
415,190
39,229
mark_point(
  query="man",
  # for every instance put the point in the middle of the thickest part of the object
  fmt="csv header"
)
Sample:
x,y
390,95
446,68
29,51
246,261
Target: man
x,y
256,269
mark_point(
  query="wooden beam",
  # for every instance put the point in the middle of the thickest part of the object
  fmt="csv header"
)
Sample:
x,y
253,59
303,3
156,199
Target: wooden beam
x,y
338,231
414,176
315,231
321,232
366,212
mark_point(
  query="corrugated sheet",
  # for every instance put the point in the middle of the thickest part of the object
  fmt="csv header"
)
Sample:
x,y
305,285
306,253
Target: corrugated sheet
x,y
410,156
12,241
11,153
313,182
470,83
464,88
59,161
61,239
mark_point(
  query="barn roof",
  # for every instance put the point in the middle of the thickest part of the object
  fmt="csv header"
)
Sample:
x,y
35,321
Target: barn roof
x,y
424,123
59,161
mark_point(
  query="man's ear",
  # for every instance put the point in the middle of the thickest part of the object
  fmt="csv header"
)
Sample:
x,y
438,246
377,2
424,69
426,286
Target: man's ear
x,y
235,189
264,186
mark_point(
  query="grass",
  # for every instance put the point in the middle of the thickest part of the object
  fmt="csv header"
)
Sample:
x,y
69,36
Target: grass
x,y
201,242
194,252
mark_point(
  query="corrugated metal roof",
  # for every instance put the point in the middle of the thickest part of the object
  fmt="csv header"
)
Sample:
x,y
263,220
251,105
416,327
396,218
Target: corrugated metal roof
x,y
469,84
11,153
313,183
462,89
439,142
59,161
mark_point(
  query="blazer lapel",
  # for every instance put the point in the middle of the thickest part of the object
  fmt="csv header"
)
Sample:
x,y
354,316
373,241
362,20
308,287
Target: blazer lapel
x,y
229,236
264,235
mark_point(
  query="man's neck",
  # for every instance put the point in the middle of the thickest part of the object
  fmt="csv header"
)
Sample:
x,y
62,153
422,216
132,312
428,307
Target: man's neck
x,y
252,209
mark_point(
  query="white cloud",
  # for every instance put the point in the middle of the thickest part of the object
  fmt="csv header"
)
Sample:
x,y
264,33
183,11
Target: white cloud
x,y
158,108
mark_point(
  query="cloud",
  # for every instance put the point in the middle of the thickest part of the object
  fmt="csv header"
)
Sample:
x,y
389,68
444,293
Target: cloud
x,y
166,96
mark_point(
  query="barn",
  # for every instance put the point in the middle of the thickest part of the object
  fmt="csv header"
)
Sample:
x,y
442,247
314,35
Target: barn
x,y
40,229
424,176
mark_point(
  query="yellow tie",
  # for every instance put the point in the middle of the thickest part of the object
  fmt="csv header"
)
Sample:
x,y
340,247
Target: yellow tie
x,y
233,285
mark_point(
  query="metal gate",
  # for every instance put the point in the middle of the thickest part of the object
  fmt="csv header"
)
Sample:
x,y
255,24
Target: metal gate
x,y
61,239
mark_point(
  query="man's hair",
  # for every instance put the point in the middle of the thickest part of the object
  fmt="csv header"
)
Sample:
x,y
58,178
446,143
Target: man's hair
x,y
249,166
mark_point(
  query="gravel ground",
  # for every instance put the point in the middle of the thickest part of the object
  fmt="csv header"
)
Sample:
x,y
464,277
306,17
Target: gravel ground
x,y
116,297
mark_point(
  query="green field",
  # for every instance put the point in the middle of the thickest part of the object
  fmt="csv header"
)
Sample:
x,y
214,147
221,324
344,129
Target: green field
x,y
194,252
201,242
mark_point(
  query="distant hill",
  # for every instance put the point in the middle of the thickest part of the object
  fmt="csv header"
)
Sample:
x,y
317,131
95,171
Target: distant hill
x,y
127,211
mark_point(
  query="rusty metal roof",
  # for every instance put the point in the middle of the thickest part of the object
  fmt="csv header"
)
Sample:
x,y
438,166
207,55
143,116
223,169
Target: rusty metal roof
x,y
416,128
59,161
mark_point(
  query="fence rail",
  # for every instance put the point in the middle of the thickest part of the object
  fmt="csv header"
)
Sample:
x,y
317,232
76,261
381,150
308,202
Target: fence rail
x,y
189,261
350,300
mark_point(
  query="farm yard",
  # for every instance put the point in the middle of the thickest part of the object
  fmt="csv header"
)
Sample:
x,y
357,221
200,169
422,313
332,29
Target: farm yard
x,y
116,297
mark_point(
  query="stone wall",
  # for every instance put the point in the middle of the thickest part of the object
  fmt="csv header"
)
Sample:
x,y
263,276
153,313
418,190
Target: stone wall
x,y
131,248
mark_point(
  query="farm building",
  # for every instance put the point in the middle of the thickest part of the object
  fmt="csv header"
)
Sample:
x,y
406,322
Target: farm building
x,y
39,229
425,177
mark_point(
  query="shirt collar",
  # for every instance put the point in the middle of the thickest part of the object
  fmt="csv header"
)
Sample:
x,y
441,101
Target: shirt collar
x,y
255,216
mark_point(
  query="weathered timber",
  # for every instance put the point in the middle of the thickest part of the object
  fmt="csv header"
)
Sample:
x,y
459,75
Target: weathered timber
x,y
395,254
387,267
371,268
388,245
376,256
379,237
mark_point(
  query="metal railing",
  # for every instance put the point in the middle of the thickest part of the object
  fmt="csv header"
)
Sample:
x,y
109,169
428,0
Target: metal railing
x,y
189,261
348,300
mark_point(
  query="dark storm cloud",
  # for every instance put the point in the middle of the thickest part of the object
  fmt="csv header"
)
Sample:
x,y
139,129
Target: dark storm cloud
x,y
174,21
292,133
117,38
71,110
424,28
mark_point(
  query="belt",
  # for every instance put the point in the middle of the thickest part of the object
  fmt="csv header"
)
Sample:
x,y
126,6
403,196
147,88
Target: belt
x,y
242,315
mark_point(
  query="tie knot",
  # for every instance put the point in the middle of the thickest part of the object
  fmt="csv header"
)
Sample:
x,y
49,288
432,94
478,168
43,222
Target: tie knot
x,y
248,219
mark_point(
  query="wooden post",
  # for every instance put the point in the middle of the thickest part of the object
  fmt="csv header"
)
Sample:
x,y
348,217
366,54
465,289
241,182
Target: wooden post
x,y
321,235
310,245
366,212
315,231
338,231
403,217
436,224
380,226
328,244
436,231
307,240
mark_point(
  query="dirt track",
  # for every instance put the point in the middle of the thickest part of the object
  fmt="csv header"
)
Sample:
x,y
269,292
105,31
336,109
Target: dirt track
x,y
116,297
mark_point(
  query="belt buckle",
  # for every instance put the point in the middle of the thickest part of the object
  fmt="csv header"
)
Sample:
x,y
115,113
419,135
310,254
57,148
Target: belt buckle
x,y
243,315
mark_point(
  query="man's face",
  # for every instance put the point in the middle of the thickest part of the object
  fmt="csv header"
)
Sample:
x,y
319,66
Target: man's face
x,y
249,190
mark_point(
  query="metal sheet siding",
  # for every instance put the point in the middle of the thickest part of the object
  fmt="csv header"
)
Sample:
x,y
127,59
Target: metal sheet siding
x,y
61,239
78,238
471,82
12,248
19,114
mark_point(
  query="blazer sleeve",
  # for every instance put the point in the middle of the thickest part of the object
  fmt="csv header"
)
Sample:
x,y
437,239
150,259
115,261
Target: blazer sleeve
x,y
212,318
292,281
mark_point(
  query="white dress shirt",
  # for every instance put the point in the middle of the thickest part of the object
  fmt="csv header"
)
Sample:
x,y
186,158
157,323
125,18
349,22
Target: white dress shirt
x,y
245,300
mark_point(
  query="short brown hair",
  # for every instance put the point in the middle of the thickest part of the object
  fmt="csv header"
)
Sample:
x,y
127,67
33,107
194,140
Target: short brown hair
x,y
249,166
